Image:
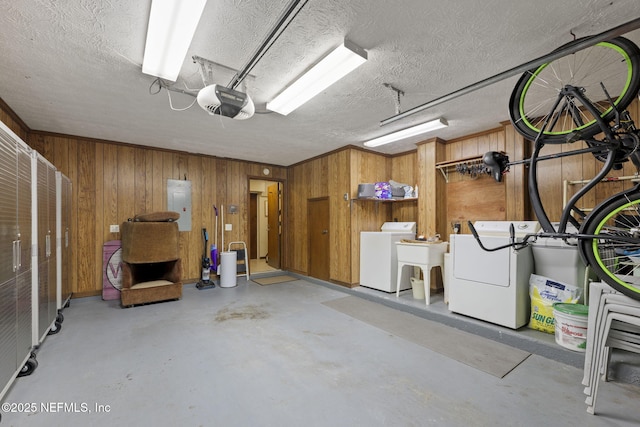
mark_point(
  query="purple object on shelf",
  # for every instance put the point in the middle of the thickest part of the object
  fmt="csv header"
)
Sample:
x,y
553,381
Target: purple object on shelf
x,y
382,190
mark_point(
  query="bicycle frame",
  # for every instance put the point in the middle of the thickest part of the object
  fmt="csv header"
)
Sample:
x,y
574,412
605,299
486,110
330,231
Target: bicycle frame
x,y
610,144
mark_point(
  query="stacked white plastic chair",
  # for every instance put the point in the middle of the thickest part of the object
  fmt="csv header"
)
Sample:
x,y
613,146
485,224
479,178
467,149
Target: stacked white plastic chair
x,y
614,322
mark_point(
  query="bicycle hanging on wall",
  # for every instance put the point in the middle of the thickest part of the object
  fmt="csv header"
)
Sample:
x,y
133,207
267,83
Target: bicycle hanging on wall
x,y
583,97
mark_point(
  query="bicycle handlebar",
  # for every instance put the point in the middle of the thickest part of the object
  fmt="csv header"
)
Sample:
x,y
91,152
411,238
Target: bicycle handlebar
x,y
513,244
528,239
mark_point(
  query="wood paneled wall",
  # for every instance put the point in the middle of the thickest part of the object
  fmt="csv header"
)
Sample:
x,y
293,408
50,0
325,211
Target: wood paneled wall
x,y
113,182
516,182
404,169
472,198
335,175
339,218
308,180
431,195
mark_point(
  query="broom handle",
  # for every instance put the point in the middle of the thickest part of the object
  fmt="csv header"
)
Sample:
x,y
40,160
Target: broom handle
x,y
215,229
222,226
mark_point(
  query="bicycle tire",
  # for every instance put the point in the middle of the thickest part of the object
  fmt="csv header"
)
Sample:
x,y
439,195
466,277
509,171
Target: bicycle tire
x,y
615,262
615,63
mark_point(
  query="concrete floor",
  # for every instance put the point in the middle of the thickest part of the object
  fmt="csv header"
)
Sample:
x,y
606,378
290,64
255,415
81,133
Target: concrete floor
x,y
276,356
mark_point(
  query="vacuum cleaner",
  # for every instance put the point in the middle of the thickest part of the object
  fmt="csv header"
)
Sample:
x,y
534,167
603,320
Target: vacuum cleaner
x,y
205,282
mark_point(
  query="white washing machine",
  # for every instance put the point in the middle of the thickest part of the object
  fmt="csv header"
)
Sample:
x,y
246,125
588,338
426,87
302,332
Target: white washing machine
x,y
379,257
492,286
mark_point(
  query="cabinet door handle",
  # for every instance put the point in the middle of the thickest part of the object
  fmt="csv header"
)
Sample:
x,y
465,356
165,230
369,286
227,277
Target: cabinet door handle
x,y
15,255
325,231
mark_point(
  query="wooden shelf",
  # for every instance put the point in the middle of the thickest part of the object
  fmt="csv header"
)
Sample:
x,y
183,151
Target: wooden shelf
x,y
374,199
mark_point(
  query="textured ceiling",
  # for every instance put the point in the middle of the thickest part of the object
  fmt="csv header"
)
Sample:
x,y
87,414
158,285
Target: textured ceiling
x,y
75,68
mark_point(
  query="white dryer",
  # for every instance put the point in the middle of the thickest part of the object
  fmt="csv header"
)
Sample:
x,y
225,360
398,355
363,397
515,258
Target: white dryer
x,y
492,286
379,257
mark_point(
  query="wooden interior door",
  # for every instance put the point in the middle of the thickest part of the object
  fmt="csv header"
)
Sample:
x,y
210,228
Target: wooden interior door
x,y
318,232
274,225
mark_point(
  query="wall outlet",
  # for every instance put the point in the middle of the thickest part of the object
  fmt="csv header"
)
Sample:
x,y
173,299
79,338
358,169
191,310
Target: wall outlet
x,y
228,227
114,228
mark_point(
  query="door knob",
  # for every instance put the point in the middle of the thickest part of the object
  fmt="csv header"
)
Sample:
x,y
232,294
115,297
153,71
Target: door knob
x,y
325,231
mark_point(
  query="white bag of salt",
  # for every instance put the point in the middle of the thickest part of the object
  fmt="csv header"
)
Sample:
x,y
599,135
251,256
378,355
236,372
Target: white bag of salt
x,y
545,292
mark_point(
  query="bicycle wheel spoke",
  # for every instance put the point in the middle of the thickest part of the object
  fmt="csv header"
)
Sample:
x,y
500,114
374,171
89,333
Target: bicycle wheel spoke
x,y
615,253
613,64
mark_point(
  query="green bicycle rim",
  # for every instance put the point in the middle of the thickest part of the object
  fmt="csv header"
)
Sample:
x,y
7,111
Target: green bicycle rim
x,y
596,254
617,48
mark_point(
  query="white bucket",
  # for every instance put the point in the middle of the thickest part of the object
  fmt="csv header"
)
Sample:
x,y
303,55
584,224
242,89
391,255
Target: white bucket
x,y
417,286
571,325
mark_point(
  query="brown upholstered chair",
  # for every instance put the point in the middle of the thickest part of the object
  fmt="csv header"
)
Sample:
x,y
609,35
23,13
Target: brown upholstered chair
x,y
151,267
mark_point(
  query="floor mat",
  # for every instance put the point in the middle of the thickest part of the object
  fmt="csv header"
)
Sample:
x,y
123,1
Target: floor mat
x,y
274,279
486,355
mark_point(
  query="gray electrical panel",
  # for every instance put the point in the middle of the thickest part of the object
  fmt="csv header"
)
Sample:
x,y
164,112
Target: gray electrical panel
x,y
179,200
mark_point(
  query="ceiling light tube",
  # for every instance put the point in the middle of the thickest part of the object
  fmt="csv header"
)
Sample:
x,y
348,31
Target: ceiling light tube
x,y
337,64
408,132
172,24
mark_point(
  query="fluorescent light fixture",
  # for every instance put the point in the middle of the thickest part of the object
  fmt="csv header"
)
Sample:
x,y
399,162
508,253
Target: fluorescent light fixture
x,y
172,24
408,132
337,64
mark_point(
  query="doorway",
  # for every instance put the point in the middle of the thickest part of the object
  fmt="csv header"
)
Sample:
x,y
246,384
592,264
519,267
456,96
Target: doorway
x,y
265,225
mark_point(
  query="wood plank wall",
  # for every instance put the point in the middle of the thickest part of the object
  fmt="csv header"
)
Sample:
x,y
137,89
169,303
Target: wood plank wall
x,y
334,175
307,180
431,196
340,226
469,197
403,168
517,194
113,182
